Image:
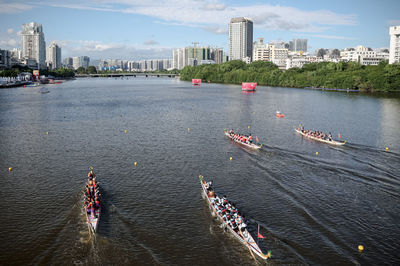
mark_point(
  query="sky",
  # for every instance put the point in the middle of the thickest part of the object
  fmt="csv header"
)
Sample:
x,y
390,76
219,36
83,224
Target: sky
x,y
151,29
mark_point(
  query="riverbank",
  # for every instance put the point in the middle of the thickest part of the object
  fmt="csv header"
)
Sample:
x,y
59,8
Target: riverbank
x,y
346,76
13,84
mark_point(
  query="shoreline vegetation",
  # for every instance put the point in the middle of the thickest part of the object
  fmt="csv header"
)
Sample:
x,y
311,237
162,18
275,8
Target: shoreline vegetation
x,y
324,75
58,73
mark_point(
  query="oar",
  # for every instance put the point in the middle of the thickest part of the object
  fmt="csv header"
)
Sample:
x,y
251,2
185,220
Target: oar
x,y
247,244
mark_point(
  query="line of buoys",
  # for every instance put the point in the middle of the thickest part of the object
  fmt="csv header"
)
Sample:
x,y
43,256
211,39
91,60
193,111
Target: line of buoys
x,y
360,248
135,164
10,169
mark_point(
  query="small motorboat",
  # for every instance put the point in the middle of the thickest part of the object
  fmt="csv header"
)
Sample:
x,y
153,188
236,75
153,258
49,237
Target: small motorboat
x,y
279,114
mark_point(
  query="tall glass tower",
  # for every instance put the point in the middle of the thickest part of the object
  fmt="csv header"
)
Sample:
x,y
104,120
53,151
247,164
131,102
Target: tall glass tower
x,y
240,39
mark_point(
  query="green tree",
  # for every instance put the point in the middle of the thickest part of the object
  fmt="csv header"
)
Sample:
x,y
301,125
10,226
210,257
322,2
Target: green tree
x,y
81,70
92,70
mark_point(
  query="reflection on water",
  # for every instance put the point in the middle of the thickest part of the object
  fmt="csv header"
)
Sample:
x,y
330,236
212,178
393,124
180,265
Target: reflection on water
x,y
313,209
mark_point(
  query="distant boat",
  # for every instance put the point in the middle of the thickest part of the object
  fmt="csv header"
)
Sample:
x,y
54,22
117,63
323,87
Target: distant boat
x,y
32,85
279,114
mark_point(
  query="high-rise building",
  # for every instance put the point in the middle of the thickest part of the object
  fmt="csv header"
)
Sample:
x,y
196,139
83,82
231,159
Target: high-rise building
x,y
67,62
297,45
53,56
5,59
16,56
33,44
217,55
261,51
80,61
394,50
240,39
269,52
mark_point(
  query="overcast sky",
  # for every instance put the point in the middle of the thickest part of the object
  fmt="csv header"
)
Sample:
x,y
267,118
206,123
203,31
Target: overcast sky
x,y
146,29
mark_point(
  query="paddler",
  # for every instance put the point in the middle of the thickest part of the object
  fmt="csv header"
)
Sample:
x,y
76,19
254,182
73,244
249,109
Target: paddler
x,y
91,175
209,185
330,136
251,138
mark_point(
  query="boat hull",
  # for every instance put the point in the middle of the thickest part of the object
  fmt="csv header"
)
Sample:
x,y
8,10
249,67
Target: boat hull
x,y
333,142
250,146
245,238
93,219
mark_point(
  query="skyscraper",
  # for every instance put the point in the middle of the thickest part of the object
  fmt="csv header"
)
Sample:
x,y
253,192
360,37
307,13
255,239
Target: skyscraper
x,y
394,50
297,45
80,61
53,56
240,39
33,44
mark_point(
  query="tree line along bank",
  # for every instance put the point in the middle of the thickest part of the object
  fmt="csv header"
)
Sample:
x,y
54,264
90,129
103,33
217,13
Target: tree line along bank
x,y
342,75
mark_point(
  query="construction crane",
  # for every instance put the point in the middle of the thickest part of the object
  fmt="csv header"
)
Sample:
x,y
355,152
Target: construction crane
x,y
194,48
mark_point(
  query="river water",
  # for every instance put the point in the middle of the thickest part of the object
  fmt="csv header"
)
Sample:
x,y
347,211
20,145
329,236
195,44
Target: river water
x,y
312,209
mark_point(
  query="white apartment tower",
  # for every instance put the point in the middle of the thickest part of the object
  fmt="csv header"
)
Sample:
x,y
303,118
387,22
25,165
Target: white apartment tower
x,y
53,56
261,51
394,50
240,39
33,44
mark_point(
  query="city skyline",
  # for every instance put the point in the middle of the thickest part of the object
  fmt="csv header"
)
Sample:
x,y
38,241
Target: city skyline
x,y
132,31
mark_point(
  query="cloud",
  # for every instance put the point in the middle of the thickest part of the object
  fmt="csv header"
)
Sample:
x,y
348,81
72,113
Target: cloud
x,y
215,6
393,22
208,13
10,43
217,29
332,37
10,31
150,42
97,50
12,8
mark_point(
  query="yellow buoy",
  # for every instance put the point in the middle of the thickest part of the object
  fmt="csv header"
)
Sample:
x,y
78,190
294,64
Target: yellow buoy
x,y
135,163
248,127
387,148
47,132
126,131
230,158
360,248
188,128
316,153
10,169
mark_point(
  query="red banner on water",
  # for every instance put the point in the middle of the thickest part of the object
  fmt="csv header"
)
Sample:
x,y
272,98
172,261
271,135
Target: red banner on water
x,y
249,86
196,82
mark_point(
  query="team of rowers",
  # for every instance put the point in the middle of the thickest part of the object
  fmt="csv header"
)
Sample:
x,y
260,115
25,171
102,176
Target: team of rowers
x,y
92,194
241,138
317,134
227,210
